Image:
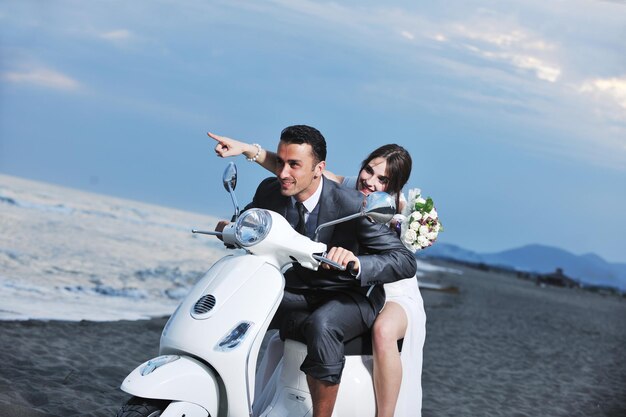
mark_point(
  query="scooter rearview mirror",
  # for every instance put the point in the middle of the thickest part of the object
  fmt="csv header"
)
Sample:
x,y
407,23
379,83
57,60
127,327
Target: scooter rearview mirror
x,y
378,206
229,179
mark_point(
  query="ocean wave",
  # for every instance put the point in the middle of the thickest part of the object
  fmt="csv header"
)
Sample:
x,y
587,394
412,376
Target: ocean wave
x,y
120,213
19,287
108,291
8,200
56,208
11,254
174,274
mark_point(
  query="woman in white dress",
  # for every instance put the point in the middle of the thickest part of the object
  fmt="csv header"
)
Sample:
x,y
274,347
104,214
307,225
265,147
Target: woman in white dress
x,y
397,375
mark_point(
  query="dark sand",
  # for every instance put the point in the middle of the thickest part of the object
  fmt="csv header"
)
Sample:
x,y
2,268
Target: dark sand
x,y
500,347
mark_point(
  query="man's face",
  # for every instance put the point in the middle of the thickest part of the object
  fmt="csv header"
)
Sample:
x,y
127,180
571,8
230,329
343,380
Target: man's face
x,y
297,171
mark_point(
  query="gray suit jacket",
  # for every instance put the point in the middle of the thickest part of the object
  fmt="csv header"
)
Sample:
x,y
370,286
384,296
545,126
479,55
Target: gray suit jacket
x,y
382,256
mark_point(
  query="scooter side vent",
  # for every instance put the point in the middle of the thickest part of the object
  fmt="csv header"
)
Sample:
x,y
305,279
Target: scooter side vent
x,y
204,304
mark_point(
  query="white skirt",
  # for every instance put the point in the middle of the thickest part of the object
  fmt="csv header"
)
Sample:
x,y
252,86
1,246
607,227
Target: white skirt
x,y
405,293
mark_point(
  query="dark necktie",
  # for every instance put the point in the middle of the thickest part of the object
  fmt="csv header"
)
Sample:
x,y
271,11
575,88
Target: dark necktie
x,y
301,226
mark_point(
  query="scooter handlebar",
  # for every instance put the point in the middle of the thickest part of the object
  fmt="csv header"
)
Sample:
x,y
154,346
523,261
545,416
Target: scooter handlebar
x,y
227,235
325,260
206,232
349,267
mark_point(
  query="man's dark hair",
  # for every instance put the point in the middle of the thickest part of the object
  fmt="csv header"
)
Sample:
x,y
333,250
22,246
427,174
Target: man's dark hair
x,y
300,134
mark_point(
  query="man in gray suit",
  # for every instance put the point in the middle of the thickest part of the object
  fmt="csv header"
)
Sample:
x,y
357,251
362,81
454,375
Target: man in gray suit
x,y
327,307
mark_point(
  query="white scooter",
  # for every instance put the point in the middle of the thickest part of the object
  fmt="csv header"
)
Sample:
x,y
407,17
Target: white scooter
x,y
209,346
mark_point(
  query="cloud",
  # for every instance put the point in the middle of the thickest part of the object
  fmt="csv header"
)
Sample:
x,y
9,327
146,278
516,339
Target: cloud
x,y
514,47
492,36
407,35
612,90
42,77
117,35
542,70
439,37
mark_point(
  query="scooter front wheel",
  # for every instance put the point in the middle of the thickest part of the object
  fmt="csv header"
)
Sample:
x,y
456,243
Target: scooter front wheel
x,y
142,407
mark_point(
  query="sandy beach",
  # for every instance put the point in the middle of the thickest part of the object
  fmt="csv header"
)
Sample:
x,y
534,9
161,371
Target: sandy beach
x,y
507,347
501,346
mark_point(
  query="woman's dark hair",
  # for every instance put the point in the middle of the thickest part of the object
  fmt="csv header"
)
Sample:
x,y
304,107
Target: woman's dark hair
x,y
398,167
300,134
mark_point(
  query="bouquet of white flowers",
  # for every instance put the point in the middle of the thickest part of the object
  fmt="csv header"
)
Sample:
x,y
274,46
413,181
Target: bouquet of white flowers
x,y
422,225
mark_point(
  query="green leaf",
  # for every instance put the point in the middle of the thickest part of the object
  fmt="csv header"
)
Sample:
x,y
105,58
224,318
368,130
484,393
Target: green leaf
x,y
429,205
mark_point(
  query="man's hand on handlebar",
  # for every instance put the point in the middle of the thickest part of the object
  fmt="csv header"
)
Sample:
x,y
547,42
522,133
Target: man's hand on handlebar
x,y
343,257
219,227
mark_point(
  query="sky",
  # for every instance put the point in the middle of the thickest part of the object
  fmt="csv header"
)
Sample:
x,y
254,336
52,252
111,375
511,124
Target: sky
x,y
514,112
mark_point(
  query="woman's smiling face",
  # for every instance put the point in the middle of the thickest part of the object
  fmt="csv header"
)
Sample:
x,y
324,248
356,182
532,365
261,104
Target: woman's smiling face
x,y
373,177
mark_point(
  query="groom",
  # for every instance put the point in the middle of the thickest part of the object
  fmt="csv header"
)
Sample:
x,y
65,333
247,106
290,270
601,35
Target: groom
x,y
327,307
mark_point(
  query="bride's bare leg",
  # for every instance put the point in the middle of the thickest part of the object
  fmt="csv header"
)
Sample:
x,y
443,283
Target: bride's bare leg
x,y
389,327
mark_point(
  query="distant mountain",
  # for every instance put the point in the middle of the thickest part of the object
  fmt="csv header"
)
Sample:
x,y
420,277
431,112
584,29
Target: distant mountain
x,y
589,269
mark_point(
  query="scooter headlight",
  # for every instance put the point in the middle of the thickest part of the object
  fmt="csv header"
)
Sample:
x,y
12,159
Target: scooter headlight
x,y
252,227
156,363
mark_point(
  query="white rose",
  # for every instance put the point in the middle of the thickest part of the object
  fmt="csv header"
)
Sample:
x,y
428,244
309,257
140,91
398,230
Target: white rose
x,y
414,226
420,200
423,241
423,230
410,236
399,218
416,215
433,214
436,228
431,236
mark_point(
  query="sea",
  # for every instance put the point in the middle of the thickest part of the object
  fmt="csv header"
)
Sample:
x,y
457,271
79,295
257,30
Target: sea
x,y
67,254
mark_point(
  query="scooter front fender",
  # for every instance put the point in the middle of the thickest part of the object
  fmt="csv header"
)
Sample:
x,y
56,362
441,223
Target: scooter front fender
x,y
184,379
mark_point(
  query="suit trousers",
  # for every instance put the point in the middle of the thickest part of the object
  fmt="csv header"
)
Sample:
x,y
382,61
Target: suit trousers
x,y
324,320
